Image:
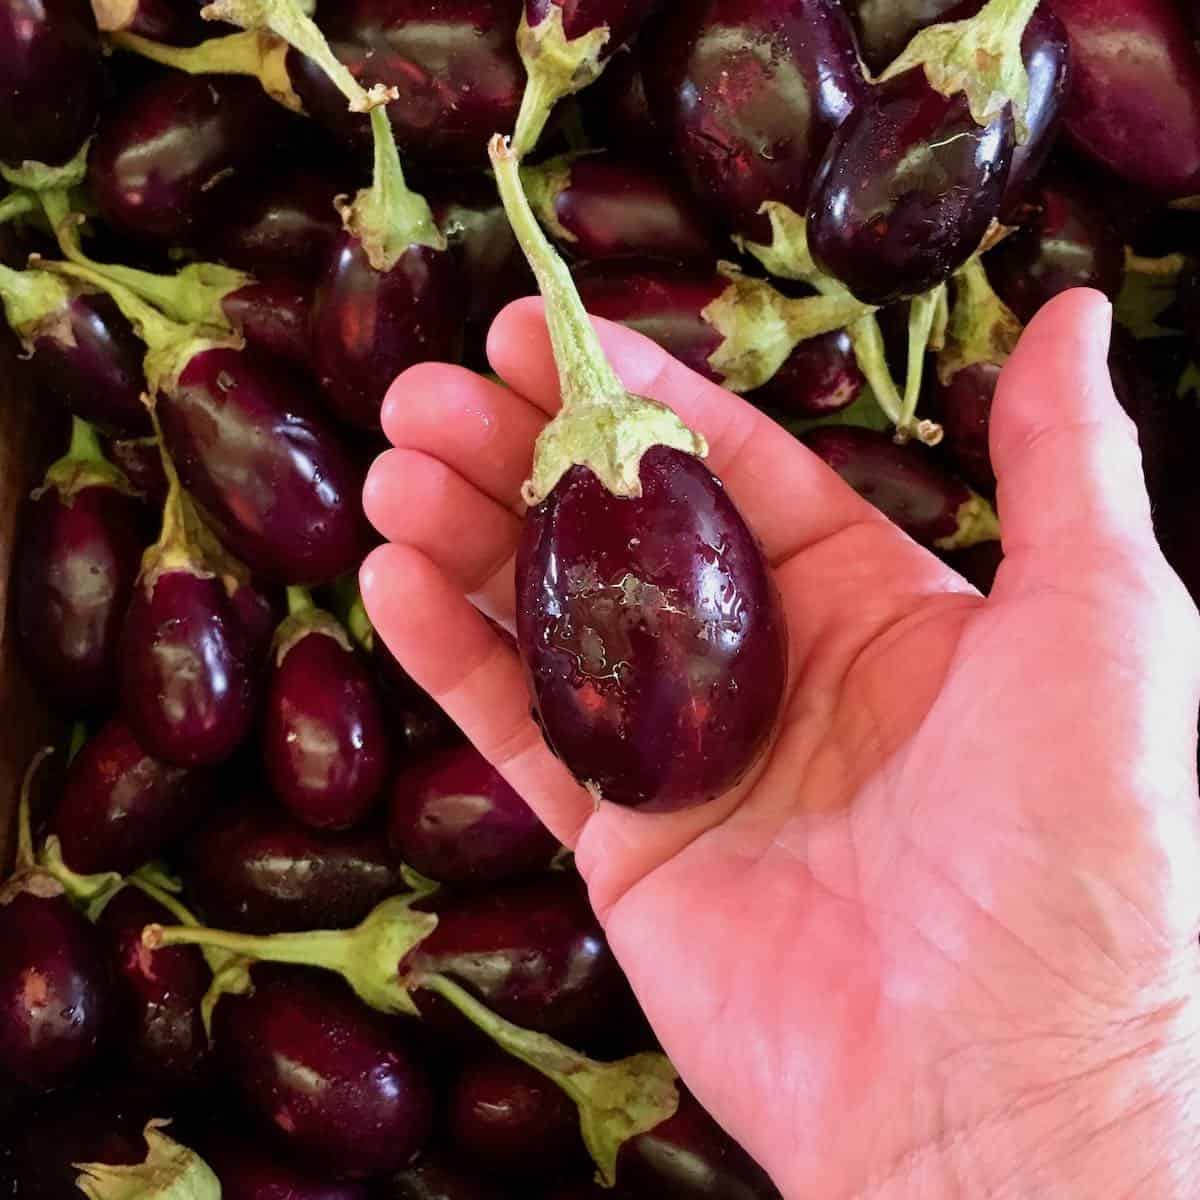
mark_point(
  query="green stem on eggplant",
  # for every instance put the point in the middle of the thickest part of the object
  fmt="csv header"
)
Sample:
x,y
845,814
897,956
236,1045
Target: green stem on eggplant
x,y
16,205
84,465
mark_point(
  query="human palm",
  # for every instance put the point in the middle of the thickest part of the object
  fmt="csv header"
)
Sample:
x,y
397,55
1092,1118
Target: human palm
x,y
924,944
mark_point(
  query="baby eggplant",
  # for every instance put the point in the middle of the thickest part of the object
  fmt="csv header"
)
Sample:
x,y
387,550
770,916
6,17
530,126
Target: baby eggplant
x,y
248,1170
274,315
820,378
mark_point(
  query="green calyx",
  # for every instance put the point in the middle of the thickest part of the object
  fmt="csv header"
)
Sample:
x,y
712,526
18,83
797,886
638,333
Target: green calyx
x,y
16,205
1148,294
980,57
36,305
557,67
601,426
38,177
90,892
976,522
83,466
168,1172
787,255
291,21
543,185
616,1101
388,217
304,618
982,328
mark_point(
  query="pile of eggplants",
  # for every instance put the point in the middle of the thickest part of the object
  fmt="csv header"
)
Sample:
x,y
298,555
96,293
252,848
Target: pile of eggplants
x,y
274,927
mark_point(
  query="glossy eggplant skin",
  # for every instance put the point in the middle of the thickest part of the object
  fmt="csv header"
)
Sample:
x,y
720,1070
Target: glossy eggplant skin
x,y
54,986
1134,103
907,189
331,1080
166,160
74,570
454,818
250,445
52,80
508,1118
750,93
616,107
903,482
94,367
255,870
455,65
689,1157
326,746
287,226
172,22
663,302
120,808
1066,243
820,377
964,408
156,995
274,315
885,27
438,1178
416,722
248,1170
368,325
615,208
531,951
651,633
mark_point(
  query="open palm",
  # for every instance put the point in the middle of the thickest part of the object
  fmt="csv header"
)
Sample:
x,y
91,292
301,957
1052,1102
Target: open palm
x,y
922,944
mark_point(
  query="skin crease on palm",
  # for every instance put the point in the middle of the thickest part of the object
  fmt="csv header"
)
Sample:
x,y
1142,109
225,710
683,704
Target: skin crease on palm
x,y
942,942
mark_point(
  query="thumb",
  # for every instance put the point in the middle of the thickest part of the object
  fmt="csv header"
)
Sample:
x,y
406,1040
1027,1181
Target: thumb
x,y
1071,493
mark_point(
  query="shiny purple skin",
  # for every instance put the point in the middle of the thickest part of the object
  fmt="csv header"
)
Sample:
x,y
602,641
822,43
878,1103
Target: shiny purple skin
x,y
438,1178
617,110
455,65
531,951
255,870
333,1081
689,1157
167,159
325,740
663,302
55,986
820,377
508,1118
187,677
172,22
1067,243
415,721
274,315
1134,103
908,188
750,92
614,208
622,18
368,326
51,79
454,818
249,1170
95,371
156,995
885,27
964,408
904,482
651,633
119,807
249,444
73,576
285,226
140,461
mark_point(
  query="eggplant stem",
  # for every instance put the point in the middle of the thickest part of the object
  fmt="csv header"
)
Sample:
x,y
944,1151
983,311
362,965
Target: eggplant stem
x,y
299,600
26,859
17,205
922,311
542,93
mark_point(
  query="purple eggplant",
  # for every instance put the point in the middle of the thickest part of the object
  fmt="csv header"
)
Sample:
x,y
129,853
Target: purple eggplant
x,y
166,160
565,46
689,1157
157,994
508,1118
640,589
336,1085
964,408
599,206
455,819
75,565
274,315
85,355
325,739
617,110
885,26
172,22
906,484
415,720
750,92
820,378
1068,243
51,80
120,808
455,69
283,227
257,871
55,983
248,1170
438,1178
1134,101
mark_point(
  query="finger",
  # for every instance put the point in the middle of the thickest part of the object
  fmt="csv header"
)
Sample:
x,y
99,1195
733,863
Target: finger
x,y
417,500
786,494
1066,456
480,429
476,677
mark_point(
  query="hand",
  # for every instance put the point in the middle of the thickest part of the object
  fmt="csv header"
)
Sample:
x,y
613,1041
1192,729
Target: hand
x,y
943,941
